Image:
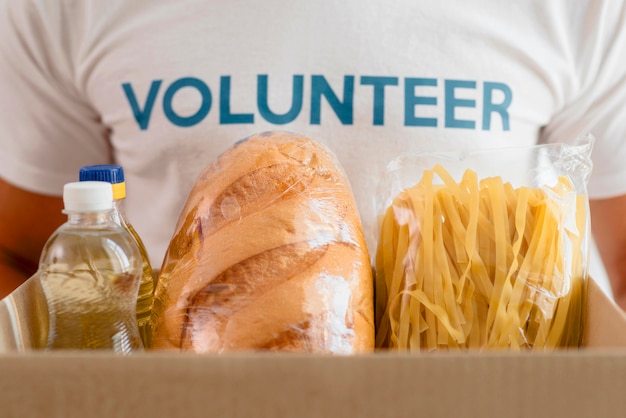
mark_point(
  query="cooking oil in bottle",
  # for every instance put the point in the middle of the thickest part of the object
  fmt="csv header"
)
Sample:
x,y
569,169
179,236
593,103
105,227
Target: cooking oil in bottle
x,y
90,270
114,174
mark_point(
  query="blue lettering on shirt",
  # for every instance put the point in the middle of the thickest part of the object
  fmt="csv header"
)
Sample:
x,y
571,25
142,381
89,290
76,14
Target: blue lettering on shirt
x,y
142,116
500,108
297,97
205,105
411,101
226,117
423,99
453,102
379,84
343,108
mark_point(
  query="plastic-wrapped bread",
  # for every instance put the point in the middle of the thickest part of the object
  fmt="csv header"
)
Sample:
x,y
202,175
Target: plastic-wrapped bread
x,y
268,254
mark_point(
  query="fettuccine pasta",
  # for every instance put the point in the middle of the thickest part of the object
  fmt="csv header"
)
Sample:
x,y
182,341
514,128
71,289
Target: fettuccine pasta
x,y
479,264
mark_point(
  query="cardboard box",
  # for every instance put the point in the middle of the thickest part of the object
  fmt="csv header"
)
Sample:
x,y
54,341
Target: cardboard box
x,y
590,382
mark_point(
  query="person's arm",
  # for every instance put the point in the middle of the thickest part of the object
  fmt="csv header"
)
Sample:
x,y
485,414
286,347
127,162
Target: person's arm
x,y
26,221
608,223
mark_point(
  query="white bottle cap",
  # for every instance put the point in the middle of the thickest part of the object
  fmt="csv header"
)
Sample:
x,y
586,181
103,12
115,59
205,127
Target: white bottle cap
x,y
87,196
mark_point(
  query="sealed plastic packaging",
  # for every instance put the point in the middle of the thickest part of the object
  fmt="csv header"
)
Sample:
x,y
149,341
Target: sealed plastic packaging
x,y
268,254
483,250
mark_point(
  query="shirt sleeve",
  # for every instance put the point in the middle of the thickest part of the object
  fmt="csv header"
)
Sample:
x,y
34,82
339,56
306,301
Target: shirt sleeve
x,y
48,129
598,103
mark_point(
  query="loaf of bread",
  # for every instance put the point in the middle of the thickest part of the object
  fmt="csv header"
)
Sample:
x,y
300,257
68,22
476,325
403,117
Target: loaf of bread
x,y
268,254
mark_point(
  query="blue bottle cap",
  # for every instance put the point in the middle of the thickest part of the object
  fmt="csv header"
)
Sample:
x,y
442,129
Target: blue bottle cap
x,y
110,173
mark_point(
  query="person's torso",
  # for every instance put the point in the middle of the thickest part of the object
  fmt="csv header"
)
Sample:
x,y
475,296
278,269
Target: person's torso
x,y
177,83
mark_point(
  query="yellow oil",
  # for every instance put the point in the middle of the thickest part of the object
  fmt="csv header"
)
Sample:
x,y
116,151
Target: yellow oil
x,y
145,296
90,280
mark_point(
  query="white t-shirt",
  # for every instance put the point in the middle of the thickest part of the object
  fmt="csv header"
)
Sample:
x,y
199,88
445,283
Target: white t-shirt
x,y
164,87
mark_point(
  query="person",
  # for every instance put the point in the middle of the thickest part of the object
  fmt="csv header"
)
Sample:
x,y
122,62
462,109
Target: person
x,y
163,87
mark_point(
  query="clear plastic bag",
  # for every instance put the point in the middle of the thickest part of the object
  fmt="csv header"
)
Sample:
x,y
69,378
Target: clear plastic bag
x,y
268,254
483,250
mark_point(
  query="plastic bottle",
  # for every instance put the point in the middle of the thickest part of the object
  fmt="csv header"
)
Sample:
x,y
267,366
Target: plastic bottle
x,y
114,174
90,271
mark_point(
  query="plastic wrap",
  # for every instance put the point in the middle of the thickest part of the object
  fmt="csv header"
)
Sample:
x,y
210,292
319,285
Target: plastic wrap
x,y
483,250
268,254
24,318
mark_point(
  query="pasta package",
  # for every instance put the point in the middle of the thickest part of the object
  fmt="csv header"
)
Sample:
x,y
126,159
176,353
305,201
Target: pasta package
x,y
484,251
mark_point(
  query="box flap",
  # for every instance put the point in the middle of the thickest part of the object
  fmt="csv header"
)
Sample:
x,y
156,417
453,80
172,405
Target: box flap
x,y
605,322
